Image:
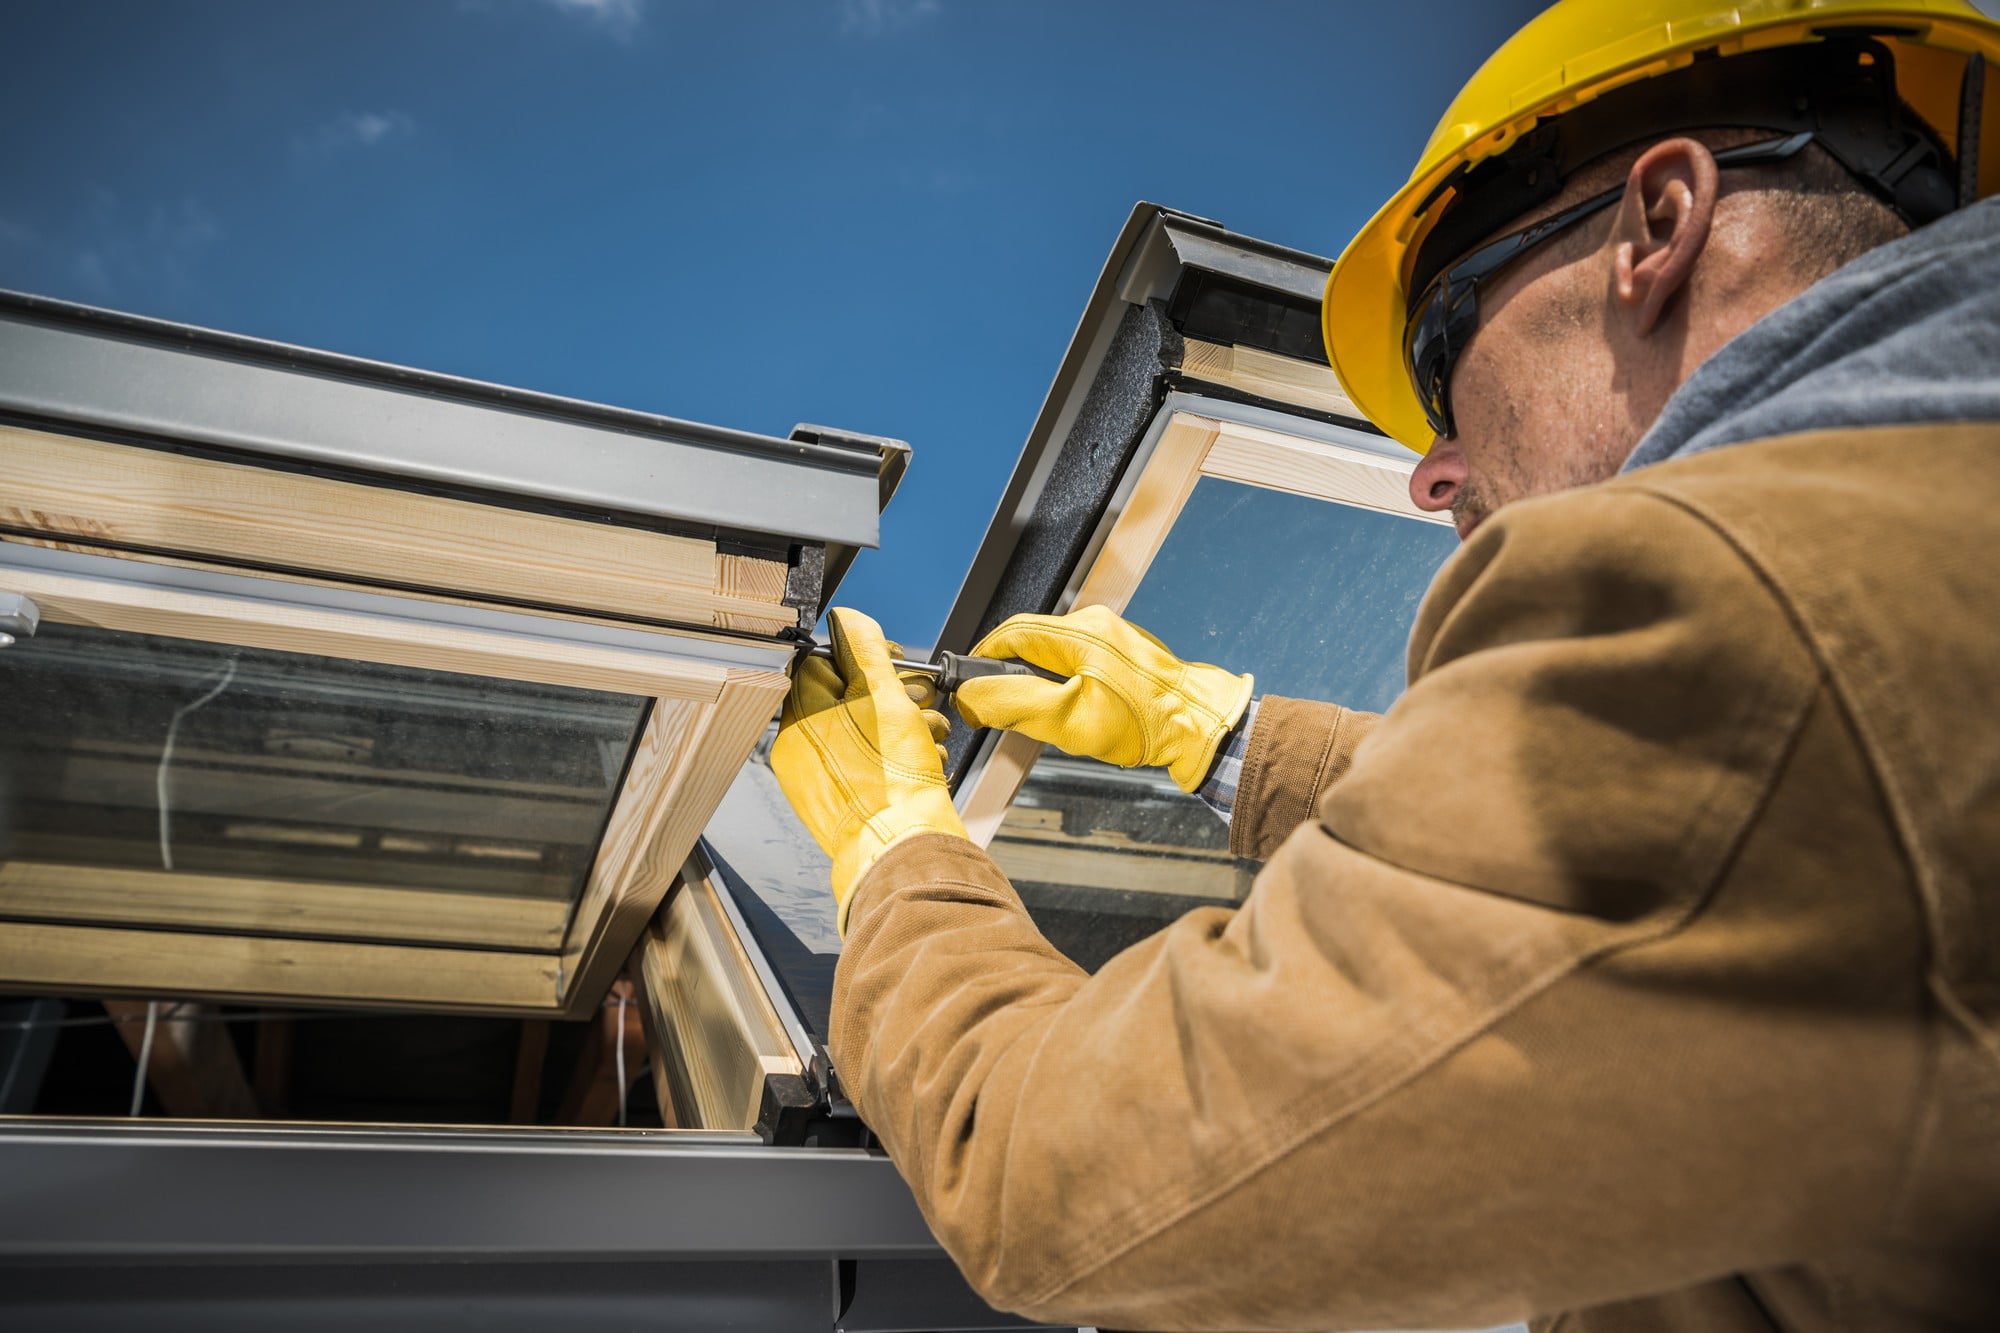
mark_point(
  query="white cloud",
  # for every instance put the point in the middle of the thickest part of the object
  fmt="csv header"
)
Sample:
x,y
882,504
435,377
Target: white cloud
x,y
869,18
374,126
620,18
356,129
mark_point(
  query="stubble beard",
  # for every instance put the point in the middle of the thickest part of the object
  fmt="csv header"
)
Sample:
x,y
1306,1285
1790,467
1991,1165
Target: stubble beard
x,y
1479,498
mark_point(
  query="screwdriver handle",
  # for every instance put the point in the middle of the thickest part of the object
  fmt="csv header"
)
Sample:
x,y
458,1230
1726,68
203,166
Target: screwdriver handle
x,y
954,669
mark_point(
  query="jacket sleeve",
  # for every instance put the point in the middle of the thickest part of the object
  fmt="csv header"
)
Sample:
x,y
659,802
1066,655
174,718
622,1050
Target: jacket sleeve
x,y
1558,999
1298,748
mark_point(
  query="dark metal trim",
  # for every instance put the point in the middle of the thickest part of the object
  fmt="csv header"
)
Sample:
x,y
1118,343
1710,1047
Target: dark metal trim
x,y
66,364
1211,247
461,1296
838,557
110,1191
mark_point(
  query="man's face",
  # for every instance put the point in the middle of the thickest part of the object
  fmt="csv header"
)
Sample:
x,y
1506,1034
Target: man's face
x,y
1536,396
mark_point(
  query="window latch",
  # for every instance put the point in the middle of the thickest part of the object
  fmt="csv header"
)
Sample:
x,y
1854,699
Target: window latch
x,y
19,617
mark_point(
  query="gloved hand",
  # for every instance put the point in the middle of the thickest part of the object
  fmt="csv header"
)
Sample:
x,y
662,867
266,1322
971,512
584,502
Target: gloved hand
x,y
860,762
1128,700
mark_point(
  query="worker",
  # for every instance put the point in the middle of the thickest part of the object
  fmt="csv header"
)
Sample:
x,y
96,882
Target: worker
x,y
1639,969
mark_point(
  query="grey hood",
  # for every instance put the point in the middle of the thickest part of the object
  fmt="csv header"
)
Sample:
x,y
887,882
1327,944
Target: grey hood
x,y
1909,333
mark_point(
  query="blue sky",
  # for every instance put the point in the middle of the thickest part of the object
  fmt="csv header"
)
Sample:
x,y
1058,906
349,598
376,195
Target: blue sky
x,y
878,214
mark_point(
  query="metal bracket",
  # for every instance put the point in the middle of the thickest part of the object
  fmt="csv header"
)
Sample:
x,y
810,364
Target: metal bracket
x,y
19,618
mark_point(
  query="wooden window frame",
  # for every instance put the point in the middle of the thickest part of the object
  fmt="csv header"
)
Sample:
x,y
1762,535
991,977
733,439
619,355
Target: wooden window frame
x,y
155,504
713,1029
704,718
1281,379
1189,446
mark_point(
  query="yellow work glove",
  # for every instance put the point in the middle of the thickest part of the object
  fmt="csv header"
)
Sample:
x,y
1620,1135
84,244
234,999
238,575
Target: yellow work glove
x,y
860,762
1128,701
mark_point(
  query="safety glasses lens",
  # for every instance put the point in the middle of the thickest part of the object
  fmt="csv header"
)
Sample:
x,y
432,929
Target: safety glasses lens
x,y
1427,355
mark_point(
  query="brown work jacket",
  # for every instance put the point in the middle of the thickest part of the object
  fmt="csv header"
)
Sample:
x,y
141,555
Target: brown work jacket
x,y
1642,962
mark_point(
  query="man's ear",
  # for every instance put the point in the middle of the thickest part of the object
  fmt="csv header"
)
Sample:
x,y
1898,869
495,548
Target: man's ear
x,y
1662,226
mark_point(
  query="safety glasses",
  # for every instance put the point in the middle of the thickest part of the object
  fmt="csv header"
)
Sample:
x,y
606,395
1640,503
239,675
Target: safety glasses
x,y
1445,314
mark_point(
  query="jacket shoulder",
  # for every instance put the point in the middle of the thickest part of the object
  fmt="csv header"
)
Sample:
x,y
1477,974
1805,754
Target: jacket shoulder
x,y
1602,691
1880,542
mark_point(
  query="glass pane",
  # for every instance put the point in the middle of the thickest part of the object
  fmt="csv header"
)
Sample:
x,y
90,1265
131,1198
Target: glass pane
x,y
1316,599
238,767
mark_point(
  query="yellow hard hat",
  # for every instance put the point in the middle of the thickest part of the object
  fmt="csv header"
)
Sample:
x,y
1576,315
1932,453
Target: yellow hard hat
x,y
1572,54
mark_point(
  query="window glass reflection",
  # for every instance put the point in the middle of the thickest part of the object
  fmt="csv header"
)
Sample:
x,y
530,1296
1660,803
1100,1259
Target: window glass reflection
x,y
141,752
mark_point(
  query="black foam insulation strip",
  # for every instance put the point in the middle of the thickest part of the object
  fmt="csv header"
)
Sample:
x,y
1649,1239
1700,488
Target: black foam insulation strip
x,y
805,581
1116,410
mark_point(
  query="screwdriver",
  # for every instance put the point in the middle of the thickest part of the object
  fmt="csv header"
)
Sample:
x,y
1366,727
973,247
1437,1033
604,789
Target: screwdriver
x,y
953,669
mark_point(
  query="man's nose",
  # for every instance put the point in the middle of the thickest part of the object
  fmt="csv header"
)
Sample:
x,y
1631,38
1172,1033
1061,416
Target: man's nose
x,y
1434,484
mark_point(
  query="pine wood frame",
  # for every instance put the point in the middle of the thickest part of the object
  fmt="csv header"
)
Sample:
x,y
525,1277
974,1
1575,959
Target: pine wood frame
x,y
149,503
703,721
1282,379
1189,448
713,1033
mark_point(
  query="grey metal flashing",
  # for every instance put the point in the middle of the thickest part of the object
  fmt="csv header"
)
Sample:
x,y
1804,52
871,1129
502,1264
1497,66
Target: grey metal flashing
x,y
541,630
156,381
148,1191
895,456
506,1296
1155,249
510,1296
1197,243
216,1227
1294,271
317,1227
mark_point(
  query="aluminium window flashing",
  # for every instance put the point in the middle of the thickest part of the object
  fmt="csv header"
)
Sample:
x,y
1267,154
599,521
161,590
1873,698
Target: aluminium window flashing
x,y
64,365
1225,288
249,1227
